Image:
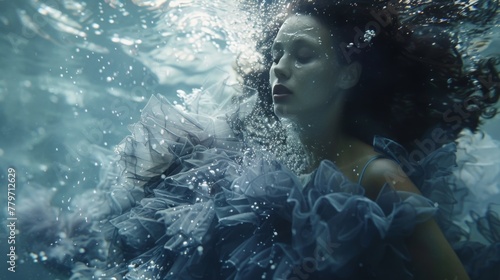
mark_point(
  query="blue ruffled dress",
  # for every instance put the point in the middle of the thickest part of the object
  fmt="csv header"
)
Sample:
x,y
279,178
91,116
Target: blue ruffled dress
x,y
190,199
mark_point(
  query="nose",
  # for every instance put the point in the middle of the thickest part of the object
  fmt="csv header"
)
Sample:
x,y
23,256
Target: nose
x,y
280,69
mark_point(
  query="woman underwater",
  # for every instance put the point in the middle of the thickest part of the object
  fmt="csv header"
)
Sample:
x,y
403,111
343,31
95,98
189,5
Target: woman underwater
x,y
364,85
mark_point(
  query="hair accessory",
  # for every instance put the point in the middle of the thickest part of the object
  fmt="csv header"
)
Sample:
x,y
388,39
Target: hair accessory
x,y
368,36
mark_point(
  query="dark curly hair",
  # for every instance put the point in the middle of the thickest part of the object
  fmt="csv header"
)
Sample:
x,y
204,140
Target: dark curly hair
x,y
414,78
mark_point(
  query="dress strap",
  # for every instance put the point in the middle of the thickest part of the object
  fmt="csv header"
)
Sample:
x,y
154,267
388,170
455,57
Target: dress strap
x,y
366,166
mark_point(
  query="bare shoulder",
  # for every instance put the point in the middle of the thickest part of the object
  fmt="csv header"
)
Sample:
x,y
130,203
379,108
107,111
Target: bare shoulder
x,y
382,171
433,257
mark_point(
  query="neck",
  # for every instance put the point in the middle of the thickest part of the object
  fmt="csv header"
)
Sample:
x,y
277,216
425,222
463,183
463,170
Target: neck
x,y
319,137
327,141
322,136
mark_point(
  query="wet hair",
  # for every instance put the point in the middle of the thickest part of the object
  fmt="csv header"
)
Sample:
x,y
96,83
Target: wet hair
x,y
414,78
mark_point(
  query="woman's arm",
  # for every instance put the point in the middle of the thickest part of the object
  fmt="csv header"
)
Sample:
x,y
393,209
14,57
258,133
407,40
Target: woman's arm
x,y
433,257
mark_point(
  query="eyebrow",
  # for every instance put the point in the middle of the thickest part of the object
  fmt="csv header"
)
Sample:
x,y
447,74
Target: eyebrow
x,y
297,40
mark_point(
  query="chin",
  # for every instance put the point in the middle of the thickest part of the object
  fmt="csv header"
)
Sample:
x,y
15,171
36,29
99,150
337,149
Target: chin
x,y
284,112
280,111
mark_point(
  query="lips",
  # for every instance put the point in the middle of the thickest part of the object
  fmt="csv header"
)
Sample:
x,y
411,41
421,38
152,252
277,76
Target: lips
x,y
281,90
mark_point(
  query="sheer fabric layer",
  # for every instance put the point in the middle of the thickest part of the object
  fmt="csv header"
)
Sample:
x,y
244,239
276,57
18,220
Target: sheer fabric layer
x,y
190,199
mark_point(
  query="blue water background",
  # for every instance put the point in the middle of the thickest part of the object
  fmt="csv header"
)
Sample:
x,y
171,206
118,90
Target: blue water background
x,y
74,74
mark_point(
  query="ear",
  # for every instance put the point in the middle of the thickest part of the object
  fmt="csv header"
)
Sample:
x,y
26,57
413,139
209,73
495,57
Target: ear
x,y
350,74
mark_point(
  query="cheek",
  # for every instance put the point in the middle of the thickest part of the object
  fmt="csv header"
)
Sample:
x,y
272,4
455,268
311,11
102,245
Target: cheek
x,y
310,74
324,85
320,78
328,75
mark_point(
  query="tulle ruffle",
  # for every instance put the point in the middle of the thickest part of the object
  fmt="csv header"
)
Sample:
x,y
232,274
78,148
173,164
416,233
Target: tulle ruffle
x,y
262,223
194,201
205,200
167,132
478,173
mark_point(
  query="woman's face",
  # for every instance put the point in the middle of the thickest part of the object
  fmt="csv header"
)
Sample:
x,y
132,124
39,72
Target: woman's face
x,y
305,71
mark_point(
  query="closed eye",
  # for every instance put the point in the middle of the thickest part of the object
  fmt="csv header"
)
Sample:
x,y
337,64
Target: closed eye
x,y
304,55
304,59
